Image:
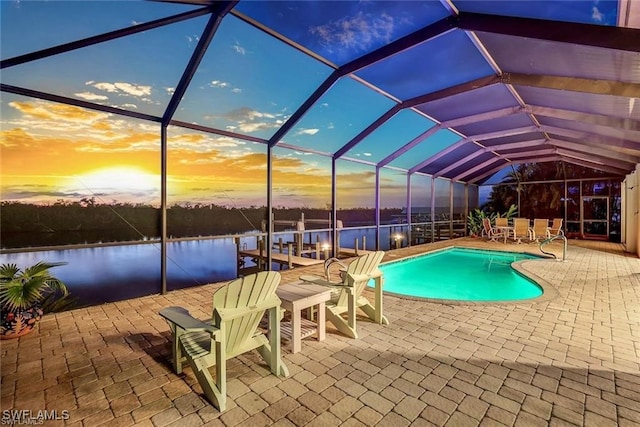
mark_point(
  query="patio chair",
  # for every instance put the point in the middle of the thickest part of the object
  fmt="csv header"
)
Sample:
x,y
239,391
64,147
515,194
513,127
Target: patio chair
x,y
540,229
521,229
491,232
502,222
238,308
347,294
556,228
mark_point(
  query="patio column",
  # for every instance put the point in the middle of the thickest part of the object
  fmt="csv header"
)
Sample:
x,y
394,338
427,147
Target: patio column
x,y
433,208
269,206
408,209
163,208
334,209
377,201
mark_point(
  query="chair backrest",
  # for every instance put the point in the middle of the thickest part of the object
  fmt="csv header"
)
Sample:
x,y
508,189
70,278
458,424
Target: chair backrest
x,y
359,272
242,294
540,227
486,225
556,227
521,227
502,222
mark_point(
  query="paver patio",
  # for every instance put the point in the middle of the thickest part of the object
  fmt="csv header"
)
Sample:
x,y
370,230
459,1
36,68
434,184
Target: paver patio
x,y
570,360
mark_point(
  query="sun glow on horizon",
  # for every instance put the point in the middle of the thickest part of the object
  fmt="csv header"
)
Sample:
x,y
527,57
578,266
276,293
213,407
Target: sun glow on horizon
x,y
116,179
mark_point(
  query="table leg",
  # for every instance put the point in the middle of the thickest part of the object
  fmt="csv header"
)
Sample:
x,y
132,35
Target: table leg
x,y
296,319
321,321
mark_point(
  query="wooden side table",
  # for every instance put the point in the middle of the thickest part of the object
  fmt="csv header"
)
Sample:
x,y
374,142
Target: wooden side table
x,y
296,297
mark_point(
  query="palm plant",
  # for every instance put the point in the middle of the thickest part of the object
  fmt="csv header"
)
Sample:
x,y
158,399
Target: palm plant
x,y
24,288
510,213
24,293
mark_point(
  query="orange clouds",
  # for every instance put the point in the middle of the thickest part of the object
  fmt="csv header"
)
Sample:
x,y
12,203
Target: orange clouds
x,y
50,111
46,146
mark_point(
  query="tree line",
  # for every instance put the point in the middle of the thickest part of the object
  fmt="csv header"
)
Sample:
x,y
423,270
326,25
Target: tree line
x,y
85,221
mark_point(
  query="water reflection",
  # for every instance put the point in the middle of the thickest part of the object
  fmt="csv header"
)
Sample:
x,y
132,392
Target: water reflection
x,y
112,273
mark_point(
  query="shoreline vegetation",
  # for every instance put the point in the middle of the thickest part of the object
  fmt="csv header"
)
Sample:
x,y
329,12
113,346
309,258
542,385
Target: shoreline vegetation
x,y
27,225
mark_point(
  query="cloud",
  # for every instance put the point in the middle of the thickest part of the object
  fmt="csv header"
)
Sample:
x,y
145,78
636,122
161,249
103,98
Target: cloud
x,y
254,127
596,15
170,90
239,49
57,112
356,33
218,83
134,106
307,131
245,114
192,39
122,88
224,85
330,125
248,120
89,96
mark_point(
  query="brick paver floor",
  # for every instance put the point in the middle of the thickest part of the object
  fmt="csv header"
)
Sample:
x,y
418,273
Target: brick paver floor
x,y
573,359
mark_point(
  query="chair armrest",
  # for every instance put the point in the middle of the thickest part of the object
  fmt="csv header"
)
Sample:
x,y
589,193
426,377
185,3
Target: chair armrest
x,y
180,317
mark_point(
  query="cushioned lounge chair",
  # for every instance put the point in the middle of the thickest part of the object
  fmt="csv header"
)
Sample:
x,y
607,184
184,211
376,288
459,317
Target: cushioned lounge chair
x,y
238,308
491,232
502,222
540,229
521,229
556,228
347,293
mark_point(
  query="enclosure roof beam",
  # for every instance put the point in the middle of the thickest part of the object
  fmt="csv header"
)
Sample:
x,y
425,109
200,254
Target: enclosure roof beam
x,y
477,168
489,115
89,41
413,102
77,102
583,135
587,164
516,145
595,149
597,160
438,155
383,52
415,141
219,12
503,133
618,38
530,154
490,172
574,84
576,116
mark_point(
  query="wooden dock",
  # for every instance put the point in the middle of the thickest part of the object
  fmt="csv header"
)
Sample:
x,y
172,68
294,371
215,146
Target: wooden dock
x,y
350,252
281,258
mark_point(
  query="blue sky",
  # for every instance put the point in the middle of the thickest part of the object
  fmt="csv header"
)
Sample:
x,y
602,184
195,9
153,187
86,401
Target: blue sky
x,y
248,83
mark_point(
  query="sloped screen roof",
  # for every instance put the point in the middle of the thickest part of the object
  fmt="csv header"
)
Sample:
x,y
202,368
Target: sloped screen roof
x,y
455,89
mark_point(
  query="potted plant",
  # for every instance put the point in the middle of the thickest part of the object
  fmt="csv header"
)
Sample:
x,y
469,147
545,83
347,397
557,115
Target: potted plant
x,y
25,293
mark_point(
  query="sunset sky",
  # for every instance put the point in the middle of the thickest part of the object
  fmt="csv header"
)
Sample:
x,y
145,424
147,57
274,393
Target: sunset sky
x,y
248,82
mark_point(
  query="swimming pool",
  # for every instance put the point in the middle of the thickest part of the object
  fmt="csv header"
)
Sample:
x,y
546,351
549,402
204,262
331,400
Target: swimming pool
x,y
461,274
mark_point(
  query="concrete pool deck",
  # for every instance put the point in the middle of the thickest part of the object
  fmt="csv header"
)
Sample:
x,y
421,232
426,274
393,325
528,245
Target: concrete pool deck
x,y
570,360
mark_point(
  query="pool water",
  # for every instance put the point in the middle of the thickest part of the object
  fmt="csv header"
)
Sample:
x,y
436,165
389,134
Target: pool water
x,y
461,274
